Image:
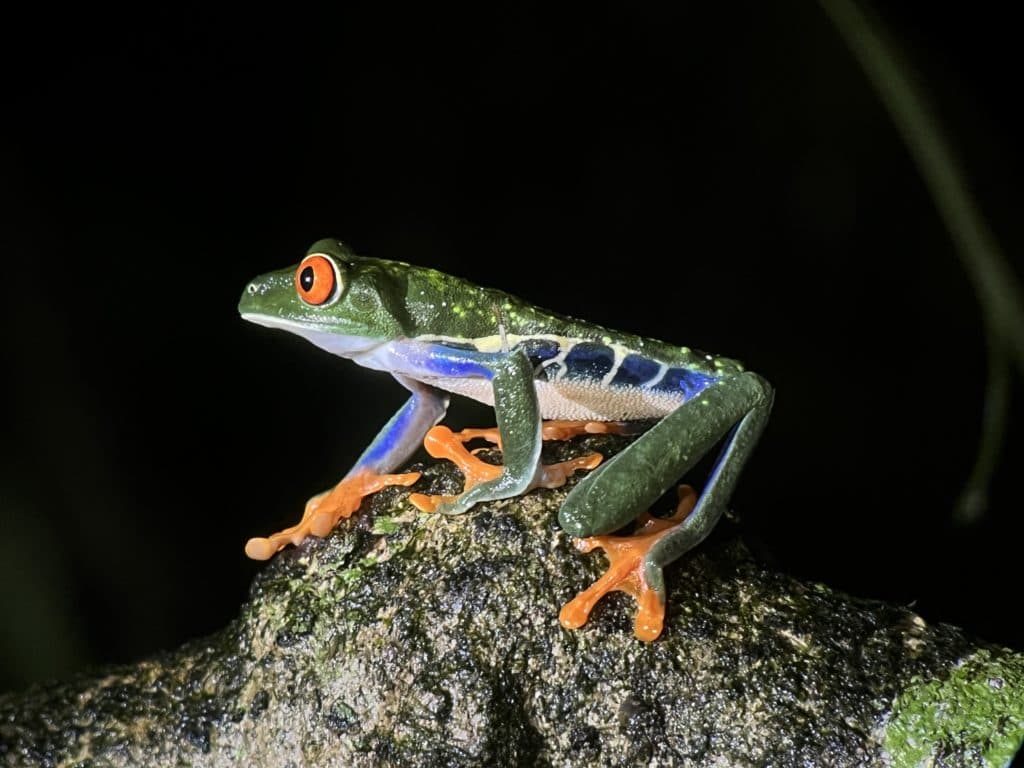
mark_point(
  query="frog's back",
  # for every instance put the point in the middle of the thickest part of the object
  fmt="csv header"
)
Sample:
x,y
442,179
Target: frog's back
x,y
583,370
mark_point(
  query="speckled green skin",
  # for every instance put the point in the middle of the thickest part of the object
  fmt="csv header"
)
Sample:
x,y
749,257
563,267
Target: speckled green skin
x,y
390,299
407,639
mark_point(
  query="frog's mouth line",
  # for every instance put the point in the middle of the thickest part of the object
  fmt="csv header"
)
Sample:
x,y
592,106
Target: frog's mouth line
x,y
335,343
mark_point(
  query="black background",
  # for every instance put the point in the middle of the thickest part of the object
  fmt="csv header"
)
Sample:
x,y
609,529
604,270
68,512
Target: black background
x,y
720,177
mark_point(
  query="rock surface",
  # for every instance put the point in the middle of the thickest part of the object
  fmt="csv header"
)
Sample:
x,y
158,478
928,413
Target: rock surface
x,y
409,639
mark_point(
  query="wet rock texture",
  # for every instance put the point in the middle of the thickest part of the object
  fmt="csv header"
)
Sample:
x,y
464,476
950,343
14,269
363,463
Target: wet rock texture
x,y
408,639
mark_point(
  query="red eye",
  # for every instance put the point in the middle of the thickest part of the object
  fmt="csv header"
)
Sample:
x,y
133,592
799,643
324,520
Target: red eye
x,y
314,279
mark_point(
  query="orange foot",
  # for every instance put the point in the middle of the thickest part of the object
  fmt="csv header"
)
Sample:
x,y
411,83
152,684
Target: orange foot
x,y
625,571
561,429
442,443
324,510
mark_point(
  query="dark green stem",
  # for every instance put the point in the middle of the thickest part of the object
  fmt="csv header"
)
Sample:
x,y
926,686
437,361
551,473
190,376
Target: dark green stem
x,y
995,284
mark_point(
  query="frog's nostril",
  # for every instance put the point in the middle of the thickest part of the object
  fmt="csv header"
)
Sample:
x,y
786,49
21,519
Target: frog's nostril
x,y
251,289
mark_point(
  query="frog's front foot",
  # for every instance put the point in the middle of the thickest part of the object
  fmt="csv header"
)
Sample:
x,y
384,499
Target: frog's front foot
x,y
626,571
324,510
442,443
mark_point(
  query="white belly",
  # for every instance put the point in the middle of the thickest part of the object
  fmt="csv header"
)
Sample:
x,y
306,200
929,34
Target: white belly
x,y
576,400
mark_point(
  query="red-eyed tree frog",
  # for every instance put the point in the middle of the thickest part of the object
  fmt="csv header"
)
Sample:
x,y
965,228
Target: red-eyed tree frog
x,y
437,334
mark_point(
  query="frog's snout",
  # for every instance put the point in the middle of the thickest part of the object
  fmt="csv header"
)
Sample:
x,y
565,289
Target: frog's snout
x,y
268,294
254,291
256,288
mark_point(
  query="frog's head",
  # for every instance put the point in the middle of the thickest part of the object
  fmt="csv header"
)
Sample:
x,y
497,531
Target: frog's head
x,y
341,302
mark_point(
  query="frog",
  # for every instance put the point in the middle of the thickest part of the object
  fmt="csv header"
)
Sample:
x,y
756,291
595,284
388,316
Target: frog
x,y
547,376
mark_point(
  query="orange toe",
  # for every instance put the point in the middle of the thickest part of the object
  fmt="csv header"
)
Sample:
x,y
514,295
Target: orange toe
x,y
563,429
324,510
555,475
625,571
442,443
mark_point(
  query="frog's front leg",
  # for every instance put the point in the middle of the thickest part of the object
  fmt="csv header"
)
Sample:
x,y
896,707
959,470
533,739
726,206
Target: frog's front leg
x,y
442,443
520,436
628,484
392,446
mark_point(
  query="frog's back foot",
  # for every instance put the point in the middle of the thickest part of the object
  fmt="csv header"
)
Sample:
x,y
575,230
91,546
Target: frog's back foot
x,y
629,571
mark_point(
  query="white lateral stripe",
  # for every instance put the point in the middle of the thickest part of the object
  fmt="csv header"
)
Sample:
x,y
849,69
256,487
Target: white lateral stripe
x,y
662,370
559,360
493,343
620,355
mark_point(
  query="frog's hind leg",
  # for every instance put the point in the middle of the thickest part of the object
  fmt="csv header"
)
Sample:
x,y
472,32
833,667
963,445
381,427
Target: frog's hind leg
x,y
626,555
636,477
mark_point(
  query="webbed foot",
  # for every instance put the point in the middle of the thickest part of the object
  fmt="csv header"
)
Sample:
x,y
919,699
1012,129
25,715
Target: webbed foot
x,y
442,443
626,571
324,510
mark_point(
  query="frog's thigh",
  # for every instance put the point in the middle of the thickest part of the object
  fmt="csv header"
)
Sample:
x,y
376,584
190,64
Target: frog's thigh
x,y
712,503
616,492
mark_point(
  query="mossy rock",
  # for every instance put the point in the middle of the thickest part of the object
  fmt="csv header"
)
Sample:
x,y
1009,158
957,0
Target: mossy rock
x,y
410,639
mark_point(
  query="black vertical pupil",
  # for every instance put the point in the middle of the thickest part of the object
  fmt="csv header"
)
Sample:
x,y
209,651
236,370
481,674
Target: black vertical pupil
x,y
306,278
